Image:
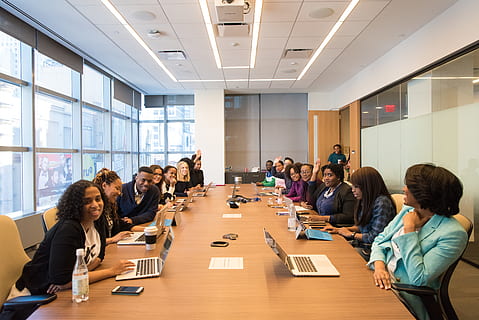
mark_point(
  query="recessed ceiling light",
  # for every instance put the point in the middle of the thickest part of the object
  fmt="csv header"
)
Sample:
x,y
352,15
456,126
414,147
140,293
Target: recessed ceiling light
x,y
154,34
234,44
144,15
293,63
321,13
379,108
172,55
289,71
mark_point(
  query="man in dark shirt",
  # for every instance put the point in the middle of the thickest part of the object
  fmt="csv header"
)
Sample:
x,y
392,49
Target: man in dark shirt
x,y
138,202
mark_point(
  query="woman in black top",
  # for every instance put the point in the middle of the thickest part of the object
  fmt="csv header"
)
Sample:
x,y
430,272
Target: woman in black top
x,y
79,226
197,177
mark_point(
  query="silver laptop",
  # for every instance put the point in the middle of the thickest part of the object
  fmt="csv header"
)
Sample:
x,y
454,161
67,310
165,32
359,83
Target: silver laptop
x,y
138,238
149,267
204,192
302,265
261,194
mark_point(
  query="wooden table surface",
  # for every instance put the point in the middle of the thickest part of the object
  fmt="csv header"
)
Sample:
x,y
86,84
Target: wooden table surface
x,y
264,289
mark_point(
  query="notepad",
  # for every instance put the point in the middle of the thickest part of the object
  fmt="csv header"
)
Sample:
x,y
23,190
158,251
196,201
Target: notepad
x,y
232,215
226,263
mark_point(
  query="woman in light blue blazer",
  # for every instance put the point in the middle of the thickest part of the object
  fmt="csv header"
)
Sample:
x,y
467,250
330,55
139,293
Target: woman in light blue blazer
x,y
423,240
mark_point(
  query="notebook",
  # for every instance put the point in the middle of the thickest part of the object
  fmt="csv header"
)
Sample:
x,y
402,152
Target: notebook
x,y
202,193
149,267
138,238
302,265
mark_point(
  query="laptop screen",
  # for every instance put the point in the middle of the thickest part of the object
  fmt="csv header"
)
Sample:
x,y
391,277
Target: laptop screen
x,y
274,245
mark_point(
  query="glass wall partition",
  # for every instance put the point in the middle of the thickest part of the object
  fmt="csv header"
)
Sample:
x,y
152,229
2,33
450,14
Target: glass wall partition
x,y
433,118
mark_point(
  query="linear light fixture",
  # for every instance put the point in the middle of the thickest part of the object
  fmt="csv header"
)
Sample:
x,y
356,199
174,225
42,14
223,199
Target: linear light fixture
x,y
475,81
237,67
211,34
328,38
237,80
258,7
135,35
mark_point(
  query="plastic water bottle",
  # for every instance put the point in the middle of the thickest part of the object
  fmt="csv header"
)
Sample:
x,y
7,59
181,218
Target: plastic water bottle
x,y
292,218
80,284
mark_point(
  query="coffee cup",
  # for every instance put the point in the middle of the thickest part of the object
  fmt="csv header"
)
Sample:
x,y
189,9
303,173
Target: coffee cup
x,y
150,237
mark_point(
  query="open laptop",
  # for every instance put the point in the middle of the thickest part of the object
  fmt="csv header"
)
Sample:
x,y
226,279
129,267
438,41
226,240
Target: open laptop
x,y
302,265
138,238
261,194
202,193
149,267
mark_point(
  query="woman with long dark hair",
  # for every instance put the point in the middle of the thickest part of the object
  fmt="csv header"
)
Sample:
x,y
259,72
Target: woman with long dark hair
x,y
374,210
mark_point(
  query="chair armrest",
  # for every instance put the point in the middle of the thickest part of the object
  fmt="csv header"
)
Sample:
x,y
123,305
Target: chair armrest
x,y
25,301
416,290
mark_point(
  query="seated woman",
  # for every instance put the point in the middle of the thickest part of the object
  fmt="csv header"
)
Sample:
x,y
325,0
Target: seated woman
x,y
299,187
332,199
423,240
79,211
197,176
168,185
116,229
374,210
183,176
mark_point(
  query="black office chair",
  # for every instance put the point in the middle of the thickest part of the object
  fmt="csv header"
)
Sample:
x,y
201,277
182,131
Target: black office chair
x,y
437,303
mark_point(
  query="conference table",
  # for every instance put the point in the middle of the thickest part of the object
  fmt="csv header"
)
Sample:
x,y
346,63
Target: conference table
x,y
263,289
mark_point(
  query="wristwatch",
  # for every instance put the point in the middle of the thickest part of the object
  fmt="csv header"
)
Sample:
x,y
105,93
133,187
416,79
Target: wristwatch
x,y
353,235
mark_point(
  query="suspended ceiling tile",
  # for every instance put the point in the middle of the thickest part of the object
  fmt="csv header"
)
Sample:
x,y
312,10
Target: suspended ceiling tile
x,y
280,12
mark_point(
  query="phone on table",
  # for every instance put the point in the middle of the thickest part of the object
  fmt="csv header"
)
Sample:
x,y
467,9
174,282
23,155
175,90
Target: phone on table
x,y
128,290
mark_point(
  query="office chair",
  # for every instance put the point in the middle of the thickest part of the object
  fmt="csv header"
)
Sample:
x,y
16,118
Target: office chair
x,y
437,303
13,260
49,218
398,200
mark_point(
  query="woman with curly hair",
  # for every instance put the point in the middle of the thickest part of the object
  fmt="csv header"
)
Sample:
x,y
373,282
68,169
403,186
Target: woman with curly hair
x,y
50,270
423,240
116,229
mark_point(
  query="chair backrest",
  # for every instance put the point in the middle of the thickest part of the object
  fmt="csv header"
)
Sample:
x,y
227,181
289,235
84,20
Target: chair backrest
x,y
12,254
398,200
443,294
49,218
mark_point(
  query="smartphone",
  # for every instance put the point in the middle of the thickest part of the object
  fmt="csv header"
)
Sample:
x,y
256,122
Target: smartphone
x,y
282,213
127,290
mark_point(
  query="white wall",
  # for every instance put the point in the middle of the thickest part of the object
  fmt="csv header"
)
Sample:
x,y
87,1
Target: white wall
x,y
210,133
454,29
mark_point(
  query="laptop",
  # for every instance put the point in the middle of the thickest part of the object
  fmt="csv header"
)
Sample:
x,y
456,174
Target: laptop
x,y
202,193
302,265
138,238
261,194
149,267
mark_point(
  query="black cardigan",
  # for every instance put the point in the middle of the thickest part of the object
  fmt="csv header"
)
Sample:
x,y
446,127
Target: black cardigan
x,y
343,204
54,260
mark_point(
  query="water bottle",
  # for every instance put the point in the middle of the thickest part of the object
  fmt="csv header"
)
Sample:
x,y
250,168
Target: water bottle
x,y
292,217
80,278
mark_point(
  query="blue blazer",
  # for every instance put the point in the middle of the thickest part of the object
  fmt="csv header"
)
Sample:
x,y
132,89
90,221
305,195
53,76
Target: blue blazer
x,y
140,213
425,255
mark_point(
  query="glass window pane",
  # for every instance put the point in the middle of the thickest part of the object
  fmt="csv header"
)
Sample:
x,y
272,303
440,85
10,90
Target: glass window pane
x,y
10,186
92,163
181,112
152,137
119,107
93,86
52,74
10,63
181,136
152,114
93,129
10,115
389,105
54,174
118,137
147,159
53,121
119,165
173,158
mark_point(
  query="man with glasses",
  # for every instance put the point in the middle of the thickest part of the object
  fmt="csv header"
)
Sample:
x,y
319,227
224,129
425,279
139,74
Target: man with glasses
x,y
138,202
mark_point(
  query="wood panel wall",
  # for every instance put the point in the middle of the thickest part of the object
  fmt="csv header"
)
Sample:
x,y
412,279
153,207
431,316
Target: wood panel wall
x,y
327,135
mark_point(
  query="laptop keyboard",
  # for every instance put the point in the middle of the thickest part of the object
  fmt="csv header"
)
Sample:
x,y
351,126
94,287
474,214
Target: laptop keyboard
x,y
146,266
140,238
304,264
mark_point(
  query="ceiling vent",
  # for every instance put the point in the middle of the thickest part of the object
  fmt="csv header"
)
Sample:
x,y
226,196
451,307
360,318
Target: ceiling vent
x,y
297,53
233,29
172,55
230,10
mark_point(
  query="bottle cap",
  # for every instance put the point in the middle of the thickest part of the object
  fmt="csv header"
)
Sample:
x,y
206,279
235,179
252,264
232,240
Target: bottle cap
x,y
80,252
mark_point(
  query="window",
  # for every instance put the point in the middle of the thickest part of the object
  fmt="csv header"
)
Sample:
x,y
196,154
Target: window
x,y
166,134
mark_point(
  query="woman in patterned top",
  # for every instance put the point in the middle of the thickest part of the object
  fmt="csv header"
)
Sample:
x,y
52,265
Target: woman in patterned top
x,y
374,210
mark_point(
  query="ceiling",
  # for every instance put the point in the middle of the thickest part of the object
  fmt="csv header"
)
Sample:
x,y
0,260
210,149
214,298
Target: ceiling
x,y
373,28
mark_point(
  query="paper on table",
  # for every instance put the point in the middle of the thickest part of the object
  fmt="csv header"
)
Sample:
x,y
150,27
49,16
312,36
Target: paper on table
x,y
232,215
300,209
226,263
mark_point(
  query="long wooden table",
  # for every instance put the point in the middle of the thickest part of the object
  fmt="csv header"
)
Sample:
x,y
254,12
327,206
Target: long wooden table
x,y
264,289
